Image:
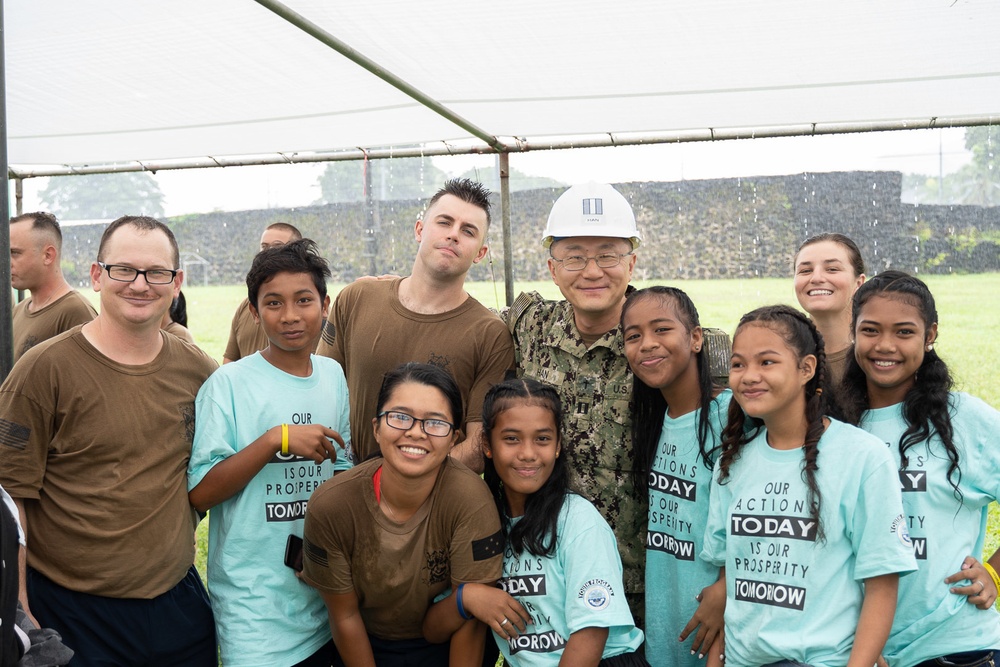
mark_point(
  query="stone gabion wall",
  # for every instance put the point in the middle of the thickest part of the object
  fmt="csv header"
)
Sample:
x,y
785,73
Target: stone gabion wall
x,y
722,228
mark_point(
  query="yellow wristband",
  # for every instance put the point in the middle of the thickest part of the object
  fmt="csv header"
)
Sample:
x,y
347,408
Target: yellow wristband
x,y
993,573
284,438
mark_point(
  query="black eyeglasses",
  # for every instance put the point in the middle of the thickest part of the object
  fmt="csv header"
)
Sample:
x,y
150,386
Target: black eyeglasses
x,y
404,422
126,274
608,260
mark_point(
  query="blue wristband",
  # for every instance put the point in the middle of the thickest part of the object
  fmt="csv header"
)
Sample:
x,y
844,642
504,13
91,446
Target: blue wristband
x,y
458,602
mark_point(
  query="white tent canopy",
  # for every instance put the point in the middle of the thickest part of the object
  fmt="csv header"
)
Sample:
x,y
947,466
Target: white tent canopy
x,y
110,81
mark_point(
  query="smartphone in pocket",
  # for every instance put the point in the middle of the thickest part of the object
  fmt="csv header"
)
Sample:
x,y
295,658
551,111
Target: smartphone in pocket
x,y
293,552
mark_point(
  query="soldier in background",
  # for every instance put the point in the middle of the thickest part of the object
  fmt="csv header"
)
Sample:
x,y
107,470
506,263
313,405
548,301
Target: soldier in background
x,y
54,306
576,346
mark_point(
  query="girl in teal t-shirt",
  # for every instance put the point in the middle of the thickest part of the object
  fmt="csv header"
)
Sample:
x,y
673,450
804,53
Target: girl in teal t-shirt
x,y
805,513
944,444
562,600
677,419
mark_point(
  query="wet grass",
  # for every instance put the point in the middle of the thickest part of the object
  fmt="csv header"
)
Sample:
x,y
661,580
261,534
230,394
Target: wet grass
x,y
967,305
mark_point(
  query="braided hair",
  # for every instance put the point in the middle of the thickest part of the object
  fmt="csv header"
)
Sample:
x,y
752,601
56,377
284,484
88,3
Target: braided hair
x,y
536,531
802,337
648,405
926,404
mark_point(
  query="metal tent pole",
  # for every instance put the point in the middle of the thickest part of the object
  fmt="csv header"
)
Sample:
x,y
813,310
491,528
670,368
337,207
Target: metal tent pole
x,y
341,47
508,244
6,306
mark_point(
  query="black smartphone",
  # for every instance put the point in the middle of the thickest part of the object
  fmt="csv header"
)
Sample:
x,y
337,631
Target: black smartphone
x,y
293,552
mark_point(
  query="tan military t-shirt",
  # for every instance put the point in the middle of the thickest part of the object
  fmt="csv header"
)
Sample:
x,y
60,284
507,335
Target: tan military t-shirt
x,y
370,332
837,362
245,334
180,331
99,451
31,328
397,569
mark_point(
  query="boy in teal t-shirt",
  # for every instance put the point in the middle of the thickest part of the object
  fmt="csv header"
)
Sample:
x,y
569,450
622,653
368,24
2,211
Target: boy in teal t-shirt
x,y
269,430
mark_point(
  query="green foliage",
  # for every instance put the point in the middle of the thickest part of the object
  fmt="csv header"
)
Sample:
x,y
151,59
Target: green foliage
x,y
398,178
518,180
100,196
975,184
922,231
201,549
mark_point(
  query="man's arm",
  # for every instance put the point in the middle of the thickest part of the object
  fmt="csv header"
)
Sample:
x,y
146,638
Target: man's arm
x,y
469,451
497,354
229,476
22,564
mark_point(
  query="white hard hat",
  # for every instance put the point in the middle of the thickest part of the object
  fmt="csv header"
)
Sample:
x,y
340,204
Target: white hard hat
x,y
591,209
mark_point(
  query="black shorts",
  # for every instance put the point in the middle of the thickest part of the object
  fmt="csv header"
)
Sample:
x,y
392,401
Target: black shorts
x,y
173,629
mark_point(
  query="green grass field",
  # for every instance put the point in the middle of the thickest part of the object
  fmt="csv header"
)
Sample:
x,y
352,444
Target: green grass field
x,y
968,310
967,305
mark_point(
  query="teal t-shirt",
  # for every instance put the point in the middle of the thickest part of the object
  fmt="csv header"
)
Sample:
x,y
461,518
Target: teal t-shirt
x,y
679,484
264,615
580,586
790,596
930,620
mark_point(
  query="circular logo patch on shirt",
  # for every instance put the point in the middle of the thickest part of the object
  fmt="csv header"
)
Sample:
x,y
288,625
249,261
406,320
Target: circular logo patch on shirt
x,y
597,595
902,533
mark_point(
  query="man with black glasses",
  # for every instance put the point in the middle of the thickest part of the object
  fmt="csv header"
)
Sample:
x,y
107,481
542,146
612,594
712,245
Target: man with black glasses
x,y
96,428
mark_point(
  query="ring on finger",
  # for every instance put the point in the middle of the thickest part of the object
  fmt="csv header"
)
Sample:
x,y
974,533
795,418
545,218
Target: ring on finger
x,y
504,622
982,586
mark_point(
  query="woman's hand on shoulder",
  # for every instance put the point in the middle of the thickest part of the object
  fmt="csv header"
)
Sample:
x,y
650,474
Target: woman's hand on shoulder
x,y
496,608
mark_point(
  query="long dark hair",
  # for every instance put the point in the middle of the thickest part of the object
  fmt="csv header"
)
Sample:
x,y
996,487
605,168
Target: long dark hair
x,y
648,405
536,531
926,404
802,337
178,310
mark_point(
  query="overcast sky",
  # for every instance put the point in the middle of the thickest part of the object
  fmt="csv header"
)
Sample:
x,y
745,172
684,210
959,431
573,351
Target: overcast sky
x,y
286,186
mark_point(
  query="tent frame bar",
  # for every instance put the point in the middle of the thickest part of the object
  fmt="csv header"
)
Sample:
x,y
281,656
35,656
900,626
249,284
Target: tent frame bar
x,y
511,145
341,47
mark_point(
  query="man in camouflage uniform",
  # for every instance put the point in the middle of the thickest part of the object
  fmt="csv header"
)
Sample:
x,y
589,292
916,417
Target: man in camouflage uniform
x,y
576,346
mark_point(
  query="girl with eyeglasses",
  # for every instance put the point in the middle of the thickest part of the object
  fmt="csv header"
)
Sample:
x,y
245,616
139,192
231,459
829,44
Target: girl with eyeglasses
x,y
382,540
